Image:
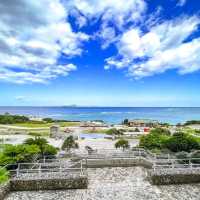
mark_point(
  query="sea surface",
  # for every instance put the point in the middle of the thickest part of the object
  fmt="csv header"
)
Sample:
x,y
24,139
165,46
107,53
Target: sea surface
x,y
110,115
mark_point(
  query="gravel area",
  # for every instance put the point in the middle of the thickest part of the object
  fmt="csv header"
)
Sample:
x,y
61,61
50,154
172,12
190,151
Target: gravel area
x,y
116,184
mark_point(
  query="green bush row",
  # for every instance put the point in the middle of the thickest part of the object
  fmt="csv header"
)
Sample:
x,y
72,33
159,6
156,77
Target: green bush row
x,y
161,139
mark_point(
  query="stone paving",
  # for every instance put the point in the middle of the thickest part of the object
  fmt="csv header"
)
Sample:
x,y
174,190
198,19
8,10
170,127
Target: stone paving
x,y
116,184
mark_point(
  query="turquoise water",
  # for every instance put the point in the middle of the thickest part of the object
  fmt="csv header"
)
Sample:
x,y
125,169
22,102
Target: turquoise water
x,y
109,114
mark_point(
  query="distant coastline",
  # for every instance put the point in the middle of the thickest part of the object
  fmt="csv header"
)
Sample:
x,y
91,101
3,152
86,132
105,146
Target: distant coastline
x,y
172,115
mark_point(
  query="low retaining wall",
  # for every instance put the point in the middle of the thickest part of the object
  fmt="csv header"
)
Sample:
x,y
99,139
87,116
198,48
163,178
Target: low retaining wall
x,y
49,184
174,176
117,162
4,190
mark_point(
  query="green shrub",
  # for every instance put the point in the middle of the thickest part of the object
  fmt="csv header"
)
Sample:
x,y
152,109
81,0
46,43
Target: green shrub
x,y
4,175
161,131
48,120
153,140
50,150
42,144
114,131
122,143
182,142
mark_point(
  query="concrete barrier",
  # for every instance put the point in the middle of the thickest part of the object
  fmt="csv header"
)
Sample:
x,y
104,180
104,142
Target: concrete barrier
x,y
174,176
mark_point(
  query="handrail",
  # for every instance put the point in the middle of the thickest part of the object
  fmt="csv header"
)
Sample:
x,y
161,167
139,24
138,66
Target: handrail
x,y
39,170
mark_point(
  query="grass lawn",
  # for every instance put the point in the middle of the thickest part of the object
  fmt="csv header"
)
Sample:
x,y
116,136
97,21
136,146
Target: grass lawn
x,y
96,131
45,125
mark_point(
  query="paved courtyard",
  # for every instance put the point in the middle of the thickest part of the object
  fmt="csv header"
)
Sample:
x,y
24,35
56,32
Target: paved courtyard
x,y
116,184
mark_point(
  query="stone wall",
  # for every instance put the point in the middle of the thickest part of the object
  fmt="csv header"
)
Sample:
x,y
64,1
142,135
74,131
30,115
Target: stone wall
x,y
4,190
80,182
117,162
174,176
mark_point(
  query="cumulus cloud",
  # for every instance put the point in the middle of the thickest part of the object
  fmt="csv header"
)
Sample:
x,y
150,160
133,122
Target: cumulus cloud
x,y
163,47
33,34
108,10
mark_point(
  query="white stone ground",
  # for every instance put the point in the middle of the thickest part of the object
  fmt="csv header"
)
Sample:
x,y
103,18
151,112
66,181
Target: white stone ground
x,y
116,184
100,144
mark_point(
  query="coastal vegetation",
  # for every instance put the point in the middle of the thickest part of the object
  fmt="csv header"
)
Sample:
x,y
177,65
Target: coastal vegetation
x,y
23,121
122,143
12,119
161,139
192,122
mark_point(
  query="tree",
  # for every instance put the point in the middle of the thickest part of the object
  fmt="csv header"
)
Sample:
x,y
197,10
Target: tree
x,y
69,143
42,143
122,143
181,141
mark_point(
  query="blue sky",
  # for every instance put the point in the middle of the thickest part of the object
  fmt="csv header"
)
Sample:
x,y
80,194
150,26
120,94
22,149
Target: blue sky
x,y
100,53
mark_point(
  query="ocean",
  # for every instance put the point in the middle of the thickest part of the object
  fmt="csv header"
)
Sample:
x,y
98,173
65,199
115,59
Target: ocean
x,y
110,115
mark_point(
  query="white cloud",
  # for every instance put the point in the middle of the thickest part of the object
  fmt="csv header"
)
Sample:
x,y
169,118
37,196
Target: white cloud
x,y
113,15
119,11
20,98
33,34
181,2
160,49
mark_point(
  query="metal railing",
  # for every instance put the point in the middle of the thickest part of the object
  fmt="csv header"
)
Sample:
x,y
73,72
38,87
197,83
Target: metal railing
x,y
158,160
189,163
42,169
